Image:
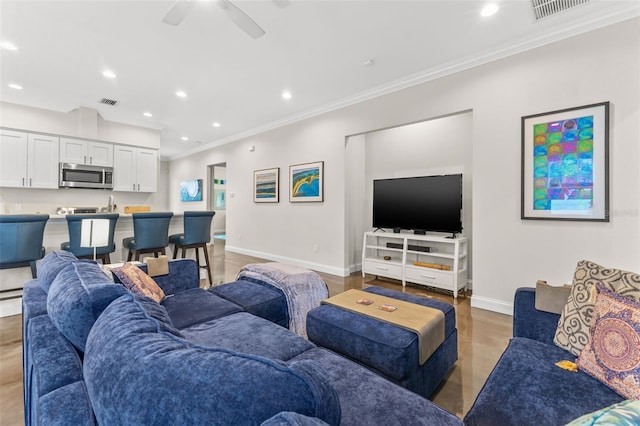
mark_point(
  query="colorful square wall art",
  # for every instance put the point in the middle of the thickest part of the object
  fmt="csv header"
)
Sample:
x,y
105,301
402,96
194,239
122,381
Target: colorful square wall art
x,y
266,185
565,164
306,182
191,190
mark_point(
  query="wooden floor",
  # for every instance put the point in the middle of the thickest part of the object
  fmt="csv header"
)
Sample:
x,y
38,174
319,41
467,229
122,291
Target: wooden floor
x,y
482,336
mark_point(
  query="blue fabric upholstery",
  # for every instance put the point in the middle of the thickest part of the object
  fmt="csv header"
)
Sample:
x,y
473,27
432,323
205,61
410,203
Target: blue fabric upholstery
x,y
183,275
261,337
51,265
68,405
150,230
21,240
77,297
55,366
368,399
130,364
197,228
383,347
288,418
195,306
527,388
258,299
74,223
530,322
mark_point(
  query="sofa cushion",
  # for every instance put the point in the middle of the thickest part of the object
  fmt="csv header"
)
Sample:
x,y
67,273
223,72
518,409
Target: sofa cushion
x,y
77,297
246,333
613,352
526,386
572,333
138,282
368,399
51,265
195,306
68,405
258,299
288,418
624,413
216,386
158,313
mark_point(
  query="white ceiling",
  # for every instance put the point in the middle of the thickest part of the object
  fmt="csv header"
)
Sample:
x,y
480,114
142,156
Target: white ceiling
x,y
315,49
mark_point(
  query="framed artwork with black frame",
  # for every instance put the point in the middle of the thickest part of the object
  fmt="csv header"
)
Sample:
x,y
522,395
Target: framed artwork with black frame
x,y
565,164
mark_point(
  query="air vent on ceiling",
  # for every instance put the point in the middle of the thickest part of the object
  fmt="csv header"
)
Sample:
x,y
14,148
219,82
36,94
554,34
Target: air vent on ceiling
x,y
544,8
108,101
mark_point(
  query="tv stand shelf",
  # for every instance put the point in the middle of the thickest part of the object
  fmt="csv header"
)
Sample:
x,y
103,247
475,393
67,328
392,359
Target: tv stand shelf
x,y
442,262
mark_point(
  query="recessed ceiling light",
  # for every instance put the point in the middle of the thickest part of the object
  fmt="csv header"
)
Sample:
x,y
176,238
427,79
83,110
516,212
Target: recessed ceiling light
x,y
369,63
216,124
7,45
147,114
184,138
489,9
15,86
181,94
108,74
286,95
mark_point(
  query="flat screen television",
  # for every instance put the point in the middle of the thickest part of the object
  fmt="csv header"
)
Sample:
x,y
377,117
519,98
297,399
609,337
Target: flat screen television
x,y
424,203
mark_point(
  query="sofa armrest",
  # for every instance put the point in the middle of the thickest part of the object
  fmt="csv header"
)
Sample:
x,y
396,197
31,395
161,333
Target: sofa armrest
x,y
528,321
183,275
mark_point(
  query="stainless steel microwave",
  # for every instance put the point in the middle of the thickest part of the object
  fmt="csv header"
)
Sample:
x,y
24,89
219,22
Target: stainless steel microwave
x,y
85,176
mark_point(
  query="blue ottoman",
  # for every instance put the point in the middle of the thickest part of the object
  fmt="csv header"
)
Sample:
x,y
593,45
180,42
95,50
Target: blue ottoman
x,y
384,348
257,298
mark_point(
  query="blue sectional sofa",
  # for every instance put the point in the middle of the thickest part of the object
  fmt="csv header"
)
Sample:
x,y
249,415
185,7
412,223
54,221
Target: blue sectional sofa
x,y
94,353
526,387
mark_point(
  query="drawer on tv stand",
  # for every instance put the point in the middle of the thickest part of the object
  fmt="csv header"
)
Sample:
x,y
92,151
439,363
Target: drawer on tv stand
x,y
427,276
382,268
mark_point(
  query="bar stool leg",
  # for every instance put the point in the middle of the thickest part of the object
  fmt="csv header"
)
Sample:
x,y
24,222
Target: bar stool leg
x,y
175,251
206,259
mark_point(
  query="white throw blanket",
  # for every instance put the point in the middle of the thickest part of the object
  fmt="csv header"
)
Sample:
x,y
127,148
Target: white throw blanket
x,y
303,289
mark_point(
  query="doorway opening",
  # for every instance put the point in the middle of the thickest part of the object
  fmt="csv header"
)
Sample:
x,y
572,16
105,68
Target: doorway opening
x,y
217,199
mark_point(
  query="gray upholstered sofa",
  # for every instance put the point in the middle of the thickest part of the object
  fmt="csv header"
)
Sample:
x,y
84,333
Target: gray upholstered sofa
x,y
94,353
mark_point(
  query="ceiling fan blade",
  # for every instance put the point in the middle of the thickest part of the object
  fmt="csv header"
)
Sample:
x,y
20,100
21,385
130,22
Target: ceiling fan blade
x,y
177,12
241,19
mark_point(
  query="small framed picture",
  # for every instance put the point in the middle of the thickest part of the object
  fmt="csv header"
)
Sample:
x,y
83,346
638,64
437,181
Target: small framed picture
x,y
565,164
306,182
266,185
191,190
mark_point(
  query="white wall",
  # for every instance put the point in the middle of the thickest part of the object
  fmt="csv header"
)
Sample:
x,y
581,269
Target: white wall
x,y
508,252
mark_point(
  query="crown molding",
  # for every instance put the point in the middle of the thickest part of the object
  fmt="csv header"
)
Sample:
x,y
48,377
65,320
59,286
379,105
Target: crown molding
x,y
630,10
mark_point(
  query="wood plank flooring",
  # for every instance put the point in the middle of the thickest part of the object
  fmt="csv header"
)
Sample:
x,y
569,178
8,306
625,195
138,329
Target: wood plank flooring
x,y
482,337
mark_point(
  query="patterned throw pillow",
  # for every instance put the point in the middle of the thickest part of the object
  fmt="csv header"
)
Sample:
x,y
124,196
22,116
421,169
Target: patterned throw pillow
x,y
138,282
623,413
572,333
613,352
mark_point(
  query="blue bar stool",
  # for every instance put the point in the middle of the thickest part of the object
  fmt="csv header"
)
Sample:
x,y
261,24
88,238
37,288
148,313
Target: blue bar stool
x,y
74,223
197,233
21,240
150,234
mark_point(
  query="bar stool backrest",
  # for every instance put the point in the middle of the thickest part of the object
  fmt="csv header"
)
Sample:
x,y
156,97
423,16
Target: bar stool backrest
x,y
74,223
197,227
151,230
21,237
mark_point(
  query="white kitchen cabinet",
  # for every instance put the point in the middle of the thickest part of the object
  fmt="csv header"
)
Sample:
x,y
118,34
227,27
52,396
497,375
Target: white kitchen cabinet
x,y
80,151
135,169
28,160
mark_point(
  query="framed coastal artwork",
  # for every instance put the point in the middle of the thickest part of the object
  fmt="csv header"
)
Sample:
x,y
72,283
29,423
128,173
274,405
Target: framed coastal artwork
x,y
191,190
565,164
306,182
266,185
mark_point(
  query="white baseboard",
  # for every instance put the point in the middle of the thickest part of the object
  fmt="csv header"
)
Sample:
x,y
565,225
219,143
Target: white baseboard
x,y
494,305
341,272
11,307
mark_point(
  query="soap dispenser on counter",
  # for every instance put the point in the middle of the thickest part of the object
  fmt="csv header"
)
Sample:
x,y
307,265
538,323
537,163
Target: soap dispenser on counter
x,y
111,206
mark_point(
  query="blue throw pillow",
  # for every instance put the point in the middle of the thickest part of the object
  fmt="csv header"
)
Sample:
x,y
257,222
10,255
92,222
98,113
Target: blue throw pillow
x,y
77,297
51,265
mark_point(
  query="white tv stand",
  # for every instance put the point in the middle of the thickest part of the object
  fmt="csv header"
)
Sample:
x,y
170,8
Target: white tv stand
x,y
448,257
